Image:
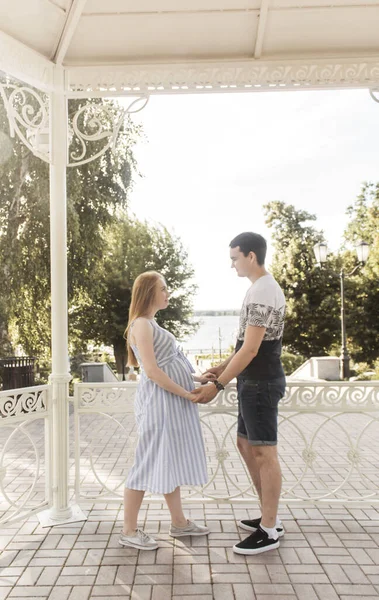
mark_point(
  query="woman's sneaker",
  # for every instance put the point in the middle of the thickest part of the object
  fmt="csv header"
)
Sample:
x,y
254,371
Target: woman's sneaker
x,y
254,524
190,529
256,543
141,541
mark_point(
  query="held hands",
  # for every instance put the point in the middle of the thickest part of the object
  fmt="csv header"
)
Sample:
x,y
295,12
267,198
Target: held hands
x,y
210,375
205,377
204,394
198,397
213,373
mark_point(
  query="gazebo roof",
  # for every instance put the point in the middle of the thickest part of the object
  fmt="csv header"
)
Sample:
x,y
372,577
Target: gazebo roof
x,y
190,44
125,31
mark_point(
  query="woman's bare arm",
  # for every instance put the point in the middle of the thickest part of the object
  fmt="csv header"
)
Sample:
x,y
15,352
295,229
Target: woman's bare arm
x,y
142,336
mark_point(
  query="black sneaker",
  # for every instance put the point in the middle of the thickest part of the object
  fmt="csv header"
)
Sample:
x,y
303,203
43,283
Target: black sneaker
x,y
253,525
256,543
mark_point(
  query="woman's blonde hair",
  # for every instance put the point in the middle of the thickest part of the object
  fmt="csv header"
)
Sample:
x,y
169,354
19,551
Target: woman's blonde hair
x,y
143,295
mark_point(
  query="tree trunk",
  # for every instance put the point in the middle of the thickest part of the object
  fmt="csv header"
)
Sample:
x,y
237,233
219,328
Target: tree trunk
x,y
120,354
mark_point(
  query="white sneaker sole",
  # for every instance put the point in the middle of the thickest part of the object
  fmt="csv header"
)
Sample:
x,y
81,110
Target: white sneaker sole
x,y
248,552
137,546
186,533
280,532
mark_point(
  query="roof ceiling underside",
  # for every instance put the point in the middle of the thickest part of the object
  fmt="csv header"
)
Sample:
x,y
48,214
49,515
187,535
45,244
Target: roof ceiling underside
x,y
125,33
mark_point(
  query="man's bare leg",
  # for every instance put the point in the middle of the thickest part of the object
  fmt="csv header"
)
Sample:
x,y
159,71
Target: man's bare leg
x,y
245,450
264,468
266,458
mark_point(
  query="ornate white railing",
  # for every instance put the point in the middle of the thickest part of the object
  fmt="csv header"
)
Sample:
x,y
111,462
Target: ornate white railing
x,y
24,456
328,443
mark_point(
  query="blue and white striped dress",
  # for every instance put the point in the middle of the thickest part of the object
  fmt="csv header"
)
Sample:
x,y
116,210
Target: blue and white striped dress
x,y
170,450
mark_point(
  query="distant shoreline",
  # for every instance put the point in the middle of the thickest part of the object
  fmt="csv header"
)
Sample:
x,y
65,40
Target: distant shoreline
x,y
216,313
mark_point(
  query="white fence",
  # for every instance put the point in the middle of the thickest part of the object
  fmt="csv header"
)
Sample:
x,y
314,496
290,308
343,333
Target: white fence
x,y
328,443
25,479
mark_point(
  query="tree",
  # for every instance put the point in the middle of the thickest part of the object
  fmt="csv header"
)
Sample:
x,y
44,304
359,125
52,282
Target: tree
x,y
132,248
96,191
312,317
363,293
24,254
106,250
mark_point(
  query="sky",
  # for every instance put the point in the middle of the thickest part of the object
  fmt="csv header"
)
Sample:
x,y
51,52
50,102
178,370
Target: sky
x,y
210,162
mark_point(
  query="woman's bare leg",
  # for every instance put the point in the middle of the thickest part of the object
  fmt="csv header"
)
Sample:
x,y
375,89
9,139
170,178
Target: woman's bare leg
x,y
132,504
174,503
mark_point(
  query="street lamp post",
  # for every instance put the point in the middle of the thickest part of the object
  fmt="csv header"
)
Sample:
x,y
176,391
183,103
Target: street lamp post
x,y
344,358
321,253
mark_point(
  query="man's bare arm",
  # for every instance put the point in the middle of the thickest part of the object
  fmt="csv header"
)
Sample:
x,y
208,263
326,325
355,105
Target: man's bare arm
x,y
237,363
247,352
216,371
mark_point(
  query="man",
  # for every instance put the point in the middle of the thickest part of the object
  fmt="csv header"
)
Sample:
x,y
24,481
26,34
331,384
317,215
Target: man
x,y
260,383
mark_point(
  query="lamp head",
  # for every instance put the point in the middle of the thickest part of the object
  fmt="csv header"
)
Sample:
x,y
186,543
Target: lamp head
x,y
321,252
363,249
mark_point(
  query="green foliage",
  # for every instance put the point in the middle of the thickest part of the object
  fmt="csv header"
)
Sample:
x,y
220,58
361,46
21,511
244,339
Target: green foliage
x,y
24,246
363,371
362,293
312,323
291,362
313,326
133,247
106,248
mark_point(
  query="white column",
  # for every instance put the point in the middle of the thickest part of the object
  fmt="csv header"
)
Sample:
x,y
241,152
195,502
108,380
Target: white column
x,y
60,376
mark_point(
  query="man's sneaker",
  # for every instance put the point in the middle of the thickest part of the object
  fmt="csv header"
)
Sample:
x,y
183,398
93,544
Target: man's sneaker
x,y
256,543
190,529
141,541
253,525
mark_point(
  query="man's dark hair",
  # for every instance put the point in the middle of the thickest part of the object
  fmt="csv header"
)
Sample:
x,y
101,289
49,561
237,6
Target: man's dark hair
x,y
251,242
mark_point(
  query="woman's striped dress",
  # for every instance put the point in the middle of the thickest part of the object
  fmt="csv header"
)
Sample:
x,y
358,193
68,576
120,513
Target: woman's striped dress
x,y
170,450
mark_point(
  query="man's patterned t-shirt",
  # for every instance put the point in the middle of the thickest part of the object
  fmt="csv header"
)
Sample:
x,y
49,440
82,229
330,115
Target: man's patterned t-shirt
x,y
264,306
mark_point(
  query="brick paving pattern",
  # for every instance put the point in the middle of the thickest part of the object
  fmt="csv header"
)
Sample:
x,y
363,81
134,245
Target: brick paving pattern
x,y
329,552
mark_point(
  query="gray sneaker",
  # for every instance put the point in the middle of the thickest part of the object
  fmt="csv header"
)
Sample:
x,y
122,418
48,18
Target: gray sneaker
x,y
141,541
190,529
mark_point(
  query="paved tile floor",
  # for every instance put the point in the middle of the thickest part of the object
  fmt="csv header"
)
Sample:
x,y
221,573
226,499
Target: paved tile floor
x,y
327,553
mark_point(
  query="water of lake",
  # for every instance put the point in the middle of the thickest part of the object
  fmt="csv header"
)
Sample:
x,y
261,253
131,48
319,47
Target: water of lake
x,y
208,334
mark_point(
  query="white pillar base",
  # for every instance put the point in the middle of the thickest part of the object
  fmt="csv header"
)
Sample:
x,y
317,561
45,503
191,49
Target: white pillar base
x,y
49,517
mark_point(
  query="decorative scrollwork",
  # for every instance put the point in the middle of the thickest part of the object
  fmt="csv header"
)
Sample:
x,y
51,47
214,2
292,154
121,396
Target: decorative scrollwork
x,y
97,123
115,397
226,399
328,437
335,396
28,115
309,456
354,456
224,76
222,454
22,403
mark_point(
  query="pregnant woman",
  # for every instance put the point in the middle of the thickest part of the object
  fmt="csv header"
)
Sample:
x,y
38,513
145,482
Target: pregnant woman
x,y
170,451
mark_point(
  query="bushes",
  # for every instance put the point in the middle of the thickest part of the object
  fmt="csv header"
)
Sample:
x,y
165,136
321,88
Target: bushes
x,y
363,371
291,362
